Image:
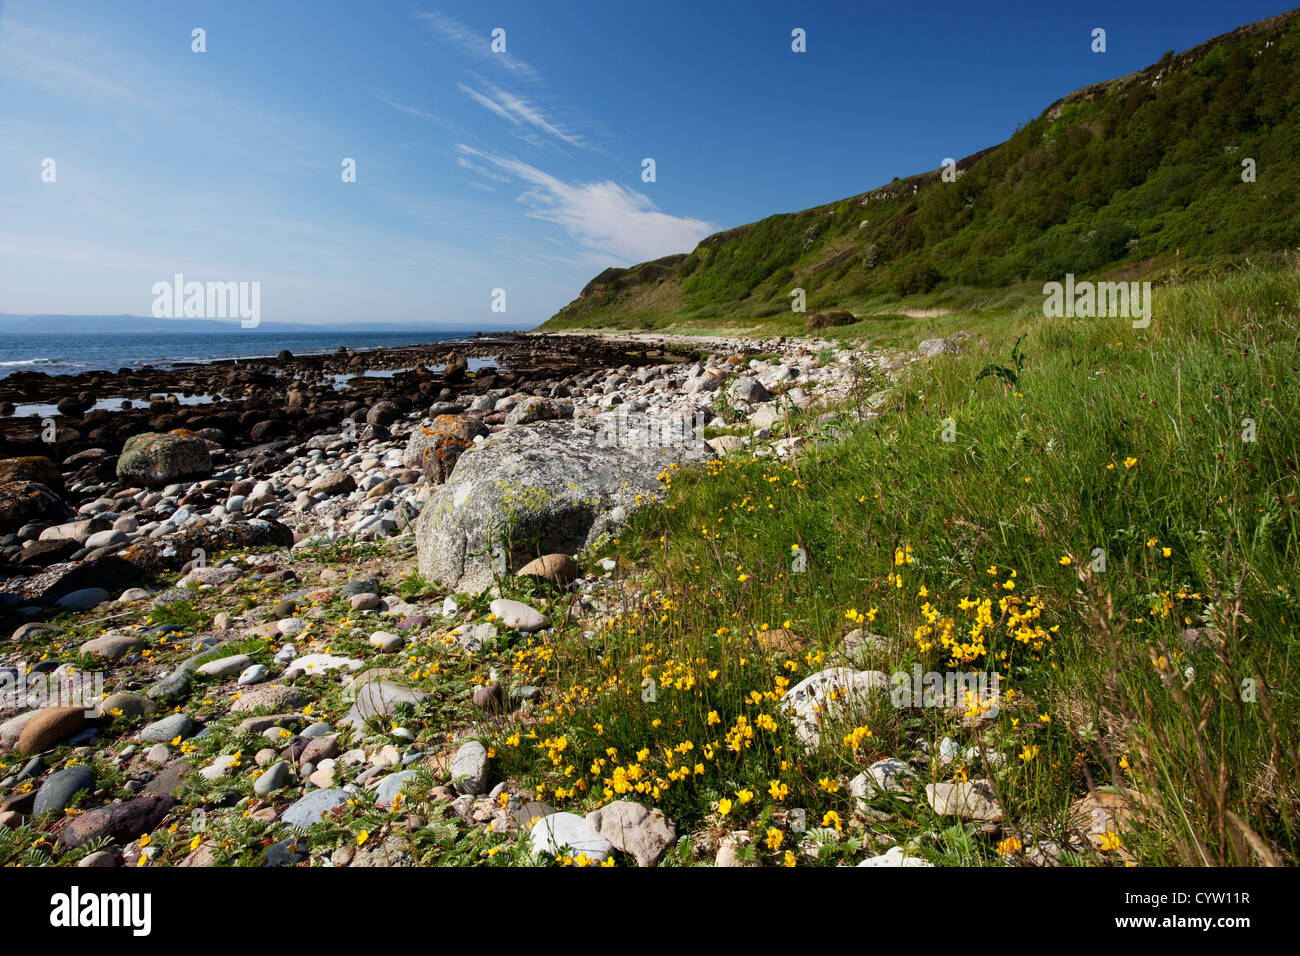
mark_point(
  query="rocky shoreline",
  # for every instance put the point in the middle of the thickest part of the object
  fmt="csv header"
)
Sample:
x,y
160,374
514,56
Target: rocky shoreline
x,y
118,496
262,413
227,597
311,392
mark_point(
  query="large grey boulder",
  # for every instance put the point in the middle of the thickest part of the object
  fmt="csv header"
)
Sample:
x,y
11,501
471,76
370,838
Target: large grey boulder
x,y
60,787
535,489
159,458
80,530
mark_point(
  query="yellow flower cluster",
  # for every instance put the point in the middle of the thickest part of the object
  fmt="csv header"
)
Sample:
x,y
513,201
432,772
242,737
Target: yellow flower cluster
x,y
740,736
853,739
1017,617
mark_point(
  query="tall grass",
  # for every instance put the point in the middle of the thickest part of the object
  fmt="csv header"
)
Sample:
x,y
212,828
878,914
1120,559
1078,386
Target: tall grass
x,y
1137,555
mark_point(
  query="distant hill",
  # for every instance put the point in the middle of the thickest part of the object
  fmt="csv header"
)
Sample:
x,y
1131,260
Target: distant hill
x,y
1129,175
109,324
102,324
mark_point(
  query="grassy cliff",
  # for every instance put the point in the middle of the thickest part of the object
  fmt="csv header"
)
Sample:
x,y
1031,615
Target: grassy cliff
x,y
1138,176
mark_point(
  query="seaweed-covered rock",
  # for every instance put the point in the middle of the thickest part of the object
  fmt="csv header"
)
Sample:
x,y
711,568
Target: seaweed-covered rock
x,y
24,501
30,468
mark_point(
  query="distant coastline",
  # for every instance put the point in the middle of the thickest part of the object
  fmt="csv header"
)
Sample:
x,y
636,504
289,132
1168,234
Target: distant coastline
x,y
68,352
123,323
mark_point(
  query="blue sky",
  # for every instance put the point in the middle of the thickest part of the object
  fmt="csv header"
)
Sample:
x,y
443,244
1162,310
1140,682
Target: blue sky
x,y
478,170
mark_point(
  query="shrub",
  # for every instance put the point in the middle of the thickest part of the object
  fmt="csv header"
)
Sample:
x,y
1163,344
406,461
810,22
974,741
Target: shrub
x,y
824,320
917,278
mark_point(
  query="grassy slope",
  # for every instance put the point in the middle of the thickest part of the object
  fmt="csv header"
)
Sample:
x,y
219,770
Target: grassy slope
x,y
1138,176
1114,438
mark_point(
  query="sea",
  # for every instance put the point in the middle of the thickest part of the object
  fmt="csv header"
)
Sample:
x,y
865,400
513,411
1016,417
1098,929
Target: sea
x,y
67,353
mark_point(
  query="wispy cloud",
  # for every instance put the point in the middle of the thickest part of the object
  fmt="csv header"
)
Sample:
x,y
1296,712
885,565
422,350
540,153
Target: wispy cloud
x,y
532,117
414,111
477,43
521,113
67,65
481,170
612,221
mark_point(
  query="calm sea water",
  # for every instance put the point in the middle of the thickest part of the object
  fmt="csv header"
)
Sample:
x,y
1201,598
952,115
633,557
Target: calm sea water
x,y
66,353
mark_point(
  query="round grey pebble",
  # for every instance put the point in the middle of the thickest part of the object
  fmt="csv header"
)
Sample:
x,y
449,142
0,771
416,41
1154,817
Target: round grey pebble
x,y
277,776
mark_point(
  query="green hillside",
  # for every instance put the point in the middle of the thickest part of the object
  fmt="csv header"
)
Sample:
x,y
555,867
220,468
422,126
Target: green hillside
x,y
1139,176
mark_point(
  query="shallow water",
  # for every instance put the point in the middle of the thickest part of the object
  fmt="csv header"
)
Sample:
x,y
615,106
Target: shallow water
x,y
67,353
114,404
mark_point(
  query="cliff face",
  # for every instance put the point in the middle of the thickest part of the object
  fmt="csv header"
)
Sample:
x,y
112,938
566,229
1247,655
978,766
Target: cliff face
x,y
1194,157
